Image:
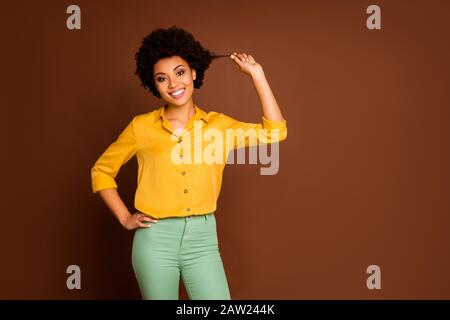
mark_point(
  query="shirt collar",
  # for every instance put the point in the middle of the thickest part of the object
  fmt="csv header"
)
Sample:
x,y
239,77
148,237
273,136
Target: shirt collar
x,y
199,114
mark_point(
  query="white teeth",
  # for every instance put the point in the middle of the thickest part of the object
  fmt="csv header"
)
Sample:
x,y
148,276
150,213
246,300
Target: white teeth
x,y
177,93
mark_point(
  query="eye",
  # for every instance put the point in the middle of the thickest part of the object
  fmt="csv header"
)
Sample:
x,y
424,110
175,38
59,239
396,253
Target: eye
x,y
179,73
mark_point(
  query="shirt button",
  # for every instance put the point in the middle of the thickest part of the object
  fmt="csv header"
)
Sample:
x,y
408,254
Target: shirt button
x,y
185,190
180,139
183,172
181,156
188,209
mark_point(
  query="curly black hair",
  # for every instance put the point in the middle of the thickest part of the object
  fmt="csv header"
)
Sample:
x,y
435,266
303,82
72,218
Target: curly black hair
x,y
174,41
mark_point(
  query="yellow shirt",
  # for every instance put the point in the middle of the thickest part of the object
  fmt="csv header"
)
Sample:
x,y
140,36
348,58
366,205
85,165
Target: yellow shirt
x,y
168,188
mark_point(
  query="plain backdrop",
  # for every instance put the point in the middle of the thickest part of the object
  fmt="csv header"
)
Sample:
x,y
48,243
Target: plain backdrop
x,y
364,172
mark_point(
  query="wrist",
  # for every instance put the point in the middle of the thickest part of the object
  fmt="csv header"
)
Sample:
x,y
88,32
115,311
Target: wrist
x,y
258,74
124,219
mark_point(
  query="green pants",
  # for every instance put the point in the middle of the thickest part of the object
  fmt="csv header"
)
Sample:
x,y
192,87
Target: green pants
x,y
179,246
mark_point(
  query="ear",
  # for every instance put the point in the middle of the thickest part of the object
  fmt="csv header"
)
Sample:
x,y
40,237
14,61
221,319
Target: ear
x,y
194,74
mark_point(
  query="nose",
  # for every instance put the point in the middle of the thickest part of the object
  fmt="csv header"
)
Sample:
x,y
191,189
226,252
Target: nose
x,y
172,83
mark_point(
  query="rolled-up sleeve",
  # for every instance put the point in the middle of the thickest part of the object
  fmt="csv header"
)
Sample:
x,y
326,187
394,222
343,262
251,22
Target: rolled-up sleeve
x,y
107,166
250,134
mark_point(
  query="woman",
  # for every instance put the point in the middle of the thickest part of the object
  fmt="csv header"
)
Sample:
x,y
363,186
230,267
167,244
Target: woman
x,y
178,186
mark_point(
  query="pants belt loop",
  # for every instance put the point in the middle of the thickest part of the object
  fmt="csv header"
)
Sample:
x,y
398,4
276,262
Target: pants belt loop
x,y
206,217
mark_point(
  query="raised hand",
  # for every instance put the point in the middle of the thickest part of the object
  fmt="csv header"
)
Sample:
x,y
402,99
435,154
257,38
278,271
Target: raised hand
x,y
246,63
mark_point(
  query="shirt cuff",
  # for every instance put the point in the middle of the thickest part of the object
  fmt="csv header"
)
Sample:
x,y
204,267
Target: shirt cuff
x,y
272,124
101,182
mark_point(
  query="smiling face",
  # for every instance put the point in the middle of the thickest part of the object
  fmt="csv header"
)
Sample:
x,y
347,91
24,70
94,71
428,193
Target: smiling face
x,y
174,80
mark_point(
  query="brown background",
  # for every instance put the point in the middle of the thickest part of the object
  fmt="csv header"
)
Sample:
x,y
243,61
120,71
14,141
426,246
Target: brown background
x,y
364,173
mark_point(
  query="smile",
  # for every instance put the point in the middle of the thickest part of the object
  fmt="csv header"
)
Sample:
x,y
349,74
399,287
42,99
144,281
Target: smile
x,y
178,93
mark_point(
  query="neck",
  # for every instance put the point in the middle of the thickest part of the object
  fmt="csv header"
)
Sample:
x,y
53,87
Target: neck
x,y
184,111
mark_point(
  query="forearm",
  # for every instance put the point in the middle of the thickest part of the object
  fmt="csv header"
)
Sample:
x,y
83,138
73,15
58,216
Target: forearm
x,y
270,108
115,204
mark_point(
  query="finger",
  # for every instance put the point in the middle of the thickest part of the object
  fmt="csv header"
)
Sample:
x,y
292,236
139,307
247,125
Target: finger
x,y
140,216
236,59
146,217
144,225
149,219
241,56
245,57
251,59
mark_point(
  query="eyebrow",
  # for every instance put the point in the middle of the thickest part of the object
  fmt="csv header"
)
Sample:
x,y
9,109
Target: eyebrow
x,y
173,69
